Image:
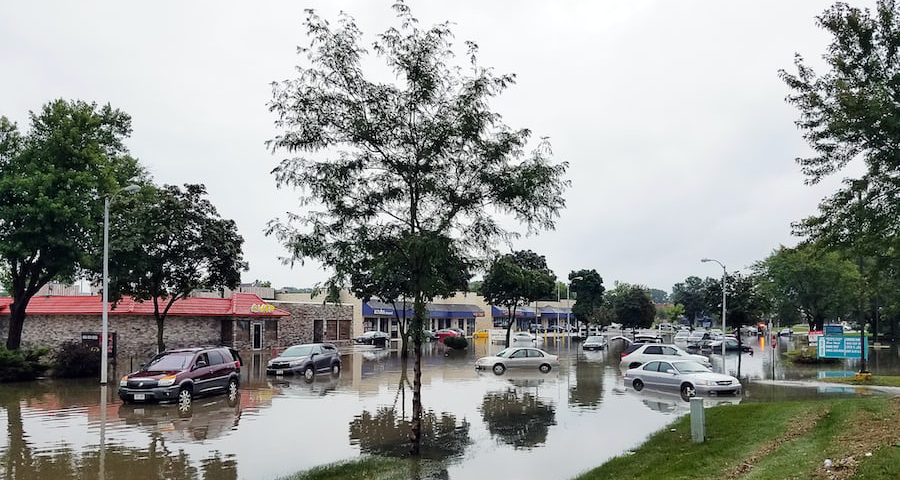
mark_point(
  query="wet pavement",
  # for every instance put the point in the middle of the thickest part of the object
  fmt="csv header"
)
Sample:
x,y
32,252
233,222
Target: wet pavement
x,y
478,425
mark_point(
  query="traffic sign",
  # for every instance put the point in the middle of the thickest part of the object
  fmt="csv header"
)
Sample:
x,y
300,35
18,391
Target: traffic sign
x,y
834,330
841,347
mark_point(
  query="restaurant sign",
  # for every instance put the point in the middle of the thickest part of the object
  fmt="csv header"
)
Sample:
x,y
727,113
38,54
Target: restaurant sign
x,y
262,308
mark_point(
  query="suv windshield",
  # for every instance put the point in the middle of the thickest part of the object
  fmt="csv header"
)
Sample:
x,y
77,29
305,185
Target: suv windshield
x,y
297,351
170,361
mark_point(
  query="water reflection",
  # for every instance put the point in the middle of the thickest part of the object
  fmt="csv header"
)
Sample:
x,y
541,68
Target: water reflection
x,y
518,418
588,389
205,419
384,433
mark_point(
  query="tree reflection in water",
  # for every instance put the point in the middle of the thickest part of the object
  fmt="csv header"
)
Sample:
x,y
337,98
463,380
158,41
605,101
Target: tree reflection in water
x,y
383,433
588,389
518,418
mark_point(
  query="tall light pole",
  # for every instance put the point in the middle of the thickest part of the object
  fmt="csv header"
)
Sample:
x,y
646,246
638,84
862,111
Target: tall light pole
x,y
104,342
724,329
568,305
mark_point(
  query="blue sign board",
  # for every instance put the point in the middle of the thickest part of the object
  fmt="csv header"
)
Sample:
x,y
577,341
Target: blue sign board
x,y
834,330
841,347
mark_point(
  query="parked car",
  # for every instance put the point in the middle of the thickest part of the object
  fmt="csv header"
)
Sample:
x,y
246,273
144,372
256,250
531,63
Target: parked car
x,y
594,343
307,360
697,337
688,377
518,357
182,374
785,332
536,328
482,334
666,327
654,351
647,338
682,336
429,336
731,345
556,328
459,332
372,337
446,332
522,337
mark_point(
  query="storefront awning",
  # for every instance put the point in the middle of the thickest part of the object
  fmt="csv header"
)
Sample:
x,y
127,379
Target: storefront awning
x,y
521,312
550,310
376,308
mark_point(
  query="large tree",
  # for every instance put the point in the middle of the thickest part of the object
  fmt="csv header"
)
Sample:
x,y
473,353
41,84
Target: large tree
x,y
167,242
517,279
691,294
588,287
850,114
631,305
809,282
420,159
52,182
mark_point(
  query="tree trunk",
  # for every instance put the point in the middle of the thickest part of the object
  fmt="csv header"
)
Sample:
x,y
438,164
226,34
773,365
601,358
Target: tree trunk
x,y
404,345
160,345
508,328
16,324
415,434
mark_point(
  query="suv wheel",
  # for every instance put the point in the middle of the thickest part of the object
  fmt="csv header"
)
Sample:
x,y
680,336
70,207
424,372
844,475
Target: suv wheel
x,y
336,369
185,398
232,390
308,373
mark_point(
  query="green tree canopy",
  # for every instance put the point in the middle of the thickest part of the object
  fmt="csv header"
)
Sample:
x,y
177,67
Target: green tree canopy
x,y
810,283
659,296
420,161
631,305
52,182
166,242
517,279
588,287
691,294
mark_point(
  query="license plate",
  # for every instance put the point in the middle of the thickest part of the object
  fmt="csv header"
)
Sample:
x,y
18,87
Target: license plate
x,y
140,396
279,372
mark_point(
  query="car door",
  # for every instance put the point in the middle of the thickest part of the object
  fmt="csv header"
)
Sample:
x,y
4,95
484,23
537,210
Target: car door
x,y
535,358
668,375
202,373
519,358
649,374
650,353
218,369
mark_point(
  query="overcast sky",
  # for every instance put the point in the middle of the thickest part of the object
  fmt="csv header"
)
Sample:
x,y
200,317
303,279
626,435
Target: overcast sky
x,y
670,113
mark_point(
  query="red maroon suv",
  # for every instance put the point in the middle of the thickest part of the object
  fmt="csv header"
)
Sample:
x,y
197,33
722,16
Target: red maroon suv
x,y
180,375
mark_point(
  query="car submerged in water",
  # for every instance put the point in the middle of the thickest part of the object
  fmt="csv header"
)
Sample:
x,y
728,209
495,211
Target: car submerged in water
x,y
518,357
307,360
685,376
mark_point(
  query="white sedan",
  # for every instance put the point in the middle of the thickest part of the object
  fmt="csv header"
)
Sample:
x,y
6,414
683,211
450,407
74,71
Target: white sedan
x,y
690,378
518,357
651,351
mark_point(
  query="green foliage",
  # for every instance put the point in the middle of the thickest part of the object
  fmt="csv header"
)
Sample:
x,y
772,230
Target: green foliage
x,y
631,305
167,242
745,301
809,283
588,285
20,365
52,182
366,468
456,343
415,169
692,296
75,360
517,279
658,296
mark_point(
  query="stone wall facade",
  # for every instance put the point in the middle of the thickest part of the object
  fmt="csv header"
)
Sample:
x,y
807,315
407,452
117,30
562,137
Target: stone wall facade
x,y
334,323
135,334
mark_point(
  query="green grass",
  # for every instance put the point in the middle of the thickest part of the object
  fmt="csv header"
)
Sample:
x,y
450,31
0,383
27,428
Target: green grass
x,y
880,380
738,432
366,468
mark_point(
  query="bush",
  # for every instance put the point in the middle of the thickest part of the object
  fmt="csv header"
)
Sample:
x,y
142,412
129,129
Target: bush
x,y
458,343
75,360
20,365
808,356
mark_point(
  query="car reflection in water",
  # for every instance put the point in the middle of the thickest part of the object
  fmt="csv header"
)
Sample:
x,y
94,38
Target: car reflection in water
x,y
205,419
675,403
319,386
519,416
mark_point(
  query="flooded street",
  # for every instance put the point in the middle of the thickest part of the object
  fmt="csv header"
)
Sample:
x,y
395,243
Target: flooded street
x,y
477,424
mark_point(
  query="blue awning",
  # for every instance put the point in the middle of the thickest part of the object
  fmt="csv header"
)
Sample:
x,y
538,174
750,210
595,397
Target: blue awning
x,y
520,312
550,310
376,308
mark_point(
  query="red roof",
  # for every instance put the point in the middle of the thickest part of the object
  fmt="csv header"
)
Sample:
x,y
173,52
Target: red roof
x,y
239,305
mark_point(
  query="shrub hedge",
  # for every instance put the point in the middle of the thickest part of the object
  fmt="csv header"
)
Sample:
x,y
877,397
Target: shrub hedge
x,y
458,343
20,365
74,360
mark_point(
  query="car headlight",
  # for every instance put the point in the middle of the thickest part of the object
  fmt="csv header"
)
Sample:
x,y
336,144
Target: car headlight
x,y
166,381
294,363
124,381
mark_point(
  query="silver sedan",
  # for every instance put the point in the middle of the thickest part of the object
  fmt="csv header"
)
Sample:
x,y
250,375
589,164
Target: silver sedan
x,y
518,357
688,377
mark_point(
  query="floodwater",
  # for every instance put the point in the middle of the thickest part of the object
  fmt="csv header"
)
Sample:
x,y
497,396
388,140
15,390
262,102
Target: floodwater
x,y
477,425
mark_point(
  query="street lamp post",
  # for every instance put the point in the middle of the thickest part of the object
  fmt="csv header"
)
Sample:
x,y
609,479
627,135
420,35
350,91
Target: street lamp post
x,y
724,329
104,334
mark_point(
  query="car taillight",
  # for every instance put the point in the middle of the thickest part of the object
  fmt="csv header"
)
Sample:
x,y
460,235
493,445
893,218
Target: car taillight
x,y
624,354
237,363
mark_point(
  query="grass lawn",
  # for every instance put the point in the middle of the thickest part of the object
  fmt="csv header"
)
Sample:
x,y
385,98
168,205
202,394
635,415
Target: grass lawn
x,y
880,380
772,441
366,468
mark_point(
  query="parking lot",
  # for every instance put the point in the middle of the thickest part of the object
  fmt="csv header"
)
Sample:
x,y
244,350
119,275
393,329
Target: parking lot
x,y
480,425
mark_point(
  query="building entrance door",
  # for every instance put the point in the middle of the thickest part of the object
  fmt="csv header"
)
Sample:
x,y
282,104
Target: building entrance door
x,y
257,336
318,331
